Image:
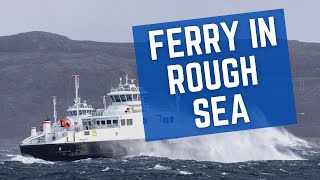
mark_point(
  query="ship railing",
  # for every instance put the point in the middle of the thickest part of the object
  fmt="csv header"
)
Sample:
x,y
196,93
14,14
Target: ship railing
x,y
125,89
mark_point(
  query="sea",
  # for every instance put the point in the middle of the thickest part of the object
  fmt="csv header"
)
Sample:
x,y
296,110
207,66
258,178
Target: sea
x,y
262,154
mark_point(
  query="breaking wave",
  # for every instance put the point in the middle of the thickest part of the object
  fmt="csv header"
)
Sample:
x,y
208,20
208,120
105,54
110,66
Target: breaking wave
x,y
250,145
159,167
27,160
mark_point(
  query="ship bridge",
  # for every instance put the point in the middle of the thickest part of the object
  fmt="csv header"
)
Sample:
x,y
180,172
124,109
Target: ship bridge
x,y
83,108
126,94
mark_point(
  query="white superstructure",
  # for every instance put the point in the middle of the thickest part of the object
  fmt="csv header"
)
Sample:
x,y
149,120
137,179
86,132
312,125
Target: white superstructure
x,y
120,119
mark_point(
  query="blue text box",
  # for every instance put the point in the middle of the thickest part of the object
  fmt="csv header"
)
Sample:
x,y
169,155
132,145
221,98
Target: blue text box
x,y
268,103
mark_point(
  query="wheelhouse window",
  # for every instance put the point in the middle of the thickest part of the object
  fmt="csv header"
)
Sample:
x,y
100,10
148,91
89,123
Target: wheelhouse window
x,y
112,98
103,122
115,122
108,121
129,97
135,97
73,113
98,123
117,98
123,98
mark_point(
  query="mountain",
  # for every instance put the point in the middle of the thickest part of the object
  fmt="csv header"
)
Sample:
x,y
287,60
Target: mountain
x,y
37,65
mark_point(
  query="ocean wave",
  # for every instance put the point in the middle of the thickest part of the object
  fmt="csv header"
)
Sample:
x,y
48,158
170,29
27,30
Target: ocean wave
x,y
27,160
87,160
106,169
159,167
185,173
250,145
224,173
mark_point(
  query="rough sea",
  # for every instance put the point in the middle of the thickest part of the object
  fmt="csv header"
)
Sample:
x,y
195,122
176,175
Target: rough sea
x,y
262,154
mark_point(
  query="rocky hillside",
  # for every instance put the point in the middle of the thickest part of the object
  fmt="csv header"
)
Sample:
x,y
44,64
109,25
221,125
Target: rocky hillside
x,y
37,65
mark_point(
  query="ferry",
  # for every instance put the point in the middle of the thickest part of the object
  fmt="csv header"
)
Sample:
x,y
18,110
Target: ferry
x,y
85,132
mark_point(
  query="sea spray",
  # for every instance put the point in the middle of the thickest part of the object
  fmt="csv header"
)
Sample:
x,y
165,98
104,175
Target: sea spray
x,y
251,145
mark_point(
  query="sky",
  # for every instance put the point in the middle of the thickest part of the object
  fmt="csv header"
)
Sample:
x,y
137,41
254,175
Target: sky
x,y
111,20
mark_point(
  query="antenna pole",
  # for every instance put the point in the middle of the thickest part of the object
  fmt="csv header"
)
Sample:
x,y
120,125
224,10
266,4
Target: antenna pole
x,y
54,99
76,84
127,78
104,102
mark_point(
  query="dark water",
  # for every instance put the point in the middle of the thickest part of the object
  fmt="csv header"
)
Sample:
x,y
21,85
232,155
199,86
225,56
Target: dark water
x,y
15,166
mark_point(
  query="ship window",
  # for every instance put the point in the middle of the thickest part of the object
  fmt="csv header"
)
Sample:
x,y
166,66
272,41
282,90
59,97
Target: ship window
x,y
123,122
138,97
129,122
108,121
89,122
115,122
98,122
134,97
80,112
73,113
103,122
117,98
129,97
123,98
86,133
112,98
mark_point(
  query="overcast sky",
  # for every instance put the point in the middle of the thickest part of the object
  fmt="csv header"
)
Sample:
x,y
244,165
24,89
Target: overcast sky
x,y
111,20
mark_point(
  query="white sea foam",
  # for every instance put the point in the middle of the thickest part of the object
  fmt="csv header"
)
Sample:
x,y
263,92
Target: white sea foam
x,y
87,160
106,169
185,173
283,170
159,167
224,173
250,145
28,160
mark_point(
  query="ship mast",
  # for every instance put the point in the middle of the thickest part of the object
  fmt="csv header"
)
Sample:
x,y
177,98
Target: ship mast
x,y
76,83
104,98
54,99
